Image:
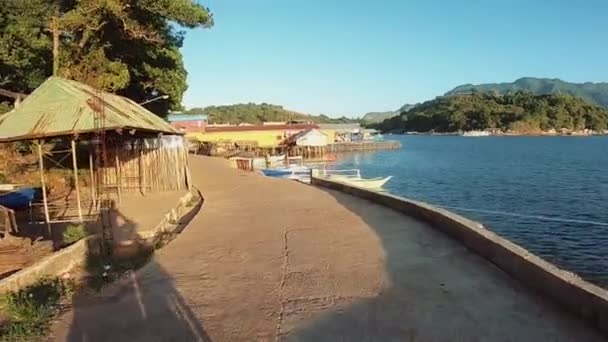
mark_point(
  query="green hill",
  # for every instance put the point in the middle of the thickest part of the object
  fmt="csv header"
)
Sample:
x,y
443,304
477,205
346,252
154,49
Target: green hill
x,y
376,117
595,93
258,113
518,112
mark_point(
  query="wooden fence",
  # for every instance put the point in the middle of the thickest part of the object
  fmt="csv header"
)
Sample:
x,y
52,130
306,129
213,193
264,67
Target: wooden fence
x,y
7,222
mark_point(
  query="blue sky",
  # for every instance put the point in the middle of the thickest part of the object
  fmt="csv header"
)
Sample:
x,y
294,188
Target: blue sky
x,y
348,57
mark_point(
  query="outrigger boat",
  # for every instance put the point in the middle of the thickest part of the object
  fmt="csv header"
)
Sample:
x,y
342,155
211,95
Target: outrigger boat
x,y
276,159
365,183
298,172
353,177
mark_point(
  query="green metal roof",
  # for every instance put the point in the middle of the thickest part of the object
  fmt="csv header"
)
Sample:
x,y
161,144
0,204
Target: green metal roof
x,y
62,107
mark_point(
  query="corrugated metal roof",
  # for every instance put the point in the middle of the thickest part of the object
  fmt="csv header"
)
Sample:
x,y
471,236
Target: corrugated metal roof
x,y
294,138
62,107
340,126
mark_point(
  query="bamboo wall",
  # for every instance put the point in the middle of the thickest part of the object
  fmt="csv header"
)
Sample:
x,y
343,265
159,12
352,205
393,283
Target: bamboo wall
x,y
145,165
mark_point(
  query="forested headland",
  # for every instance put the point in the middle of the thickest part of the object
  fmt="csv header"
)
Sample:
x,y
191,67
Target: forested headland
x,y
518,112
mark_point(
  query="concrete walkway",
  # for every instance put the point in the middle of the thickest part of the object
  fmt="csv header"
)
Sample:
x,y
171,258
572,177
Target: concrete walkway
x,y
269,260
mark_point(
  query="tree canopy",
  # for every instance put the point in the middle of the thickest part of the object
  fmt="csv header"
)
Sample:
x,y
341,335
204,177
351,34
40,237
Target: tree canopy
x,y
257,113
520,112
130,47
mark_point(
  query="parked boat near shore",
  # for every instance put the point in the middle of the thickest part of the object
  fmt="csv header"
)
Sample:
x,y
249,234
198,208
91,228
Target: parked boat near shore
x,y
18,198
353,177
365,183
475,134
295,172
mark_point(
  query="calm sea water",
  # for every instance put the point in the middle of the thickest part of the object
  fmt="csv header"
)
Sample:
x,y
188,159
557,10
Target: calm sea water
x,y
548,194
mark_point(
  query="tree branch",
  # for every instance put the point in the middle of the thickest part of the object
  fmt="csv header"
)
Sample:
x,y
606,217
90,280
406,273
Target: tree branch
x,y
12,94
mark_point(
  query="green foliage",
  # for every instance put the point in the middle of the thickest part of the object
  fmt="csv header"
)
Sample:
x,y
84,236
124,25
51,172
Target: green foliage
x,y
5,107
258,113
521,112
126,46
594,93
28,312
74,233
25,46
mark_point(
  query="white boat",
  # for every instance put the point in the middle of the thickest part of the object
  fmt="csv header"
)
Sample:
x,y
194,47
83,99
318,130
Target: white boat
x,y
276,159
337,173
475,134
365,183
353,177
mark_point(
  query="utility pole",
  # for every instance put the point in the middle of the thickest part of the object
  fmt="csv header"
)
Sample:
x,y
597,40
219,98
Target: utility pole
x,y
55,30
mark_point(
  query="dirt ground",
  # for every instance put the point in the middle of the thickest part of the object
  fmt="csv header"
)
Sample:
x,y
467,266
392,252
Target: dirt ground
x,y
32,242
269,260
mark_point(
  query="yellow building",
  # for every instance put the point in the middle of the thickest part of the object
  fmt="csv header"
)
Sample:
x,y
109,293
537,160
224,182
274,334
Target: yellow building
x,y
271,135
260,135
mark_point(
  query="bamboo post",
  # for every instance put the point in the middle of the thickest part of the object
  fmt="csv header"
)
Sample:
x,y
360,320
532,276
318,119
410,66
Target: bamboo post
x,y
44,198
92,175
142,173
118,172
76,185
187,166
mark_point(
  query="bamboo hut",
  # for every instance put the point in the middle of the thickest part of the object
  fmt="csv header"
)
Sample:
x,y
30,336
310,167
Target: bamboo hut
x,y
109,144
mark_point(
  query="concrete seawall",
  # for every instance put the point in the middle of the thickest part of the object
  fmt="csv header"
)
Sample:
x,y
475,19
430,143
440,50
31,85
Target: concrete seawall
x,y
584,299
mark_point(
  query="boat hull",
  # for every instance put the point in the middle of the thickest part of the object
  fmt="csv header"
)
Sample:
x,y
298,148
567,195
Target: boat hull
x,y
371,184
20,198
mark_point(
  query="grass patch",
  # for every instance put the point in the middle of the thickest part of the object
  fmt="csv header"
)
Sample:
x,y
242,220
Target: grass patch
x,y
74,233
28,312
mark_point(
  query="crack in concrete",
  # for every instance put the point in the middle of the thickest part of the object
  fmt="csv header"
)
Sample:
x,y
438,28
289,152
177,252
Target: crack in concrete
x,y
282,285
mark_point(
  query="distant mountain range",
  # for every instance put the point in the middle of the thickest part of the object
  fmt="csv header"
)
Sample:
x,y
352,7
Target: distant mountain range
x,y
376,117
595,93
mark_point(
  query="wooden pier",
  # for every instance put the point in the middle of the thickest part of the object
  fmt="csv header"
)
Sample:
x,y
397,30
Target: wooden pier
x,y
319,152
363,146
307,152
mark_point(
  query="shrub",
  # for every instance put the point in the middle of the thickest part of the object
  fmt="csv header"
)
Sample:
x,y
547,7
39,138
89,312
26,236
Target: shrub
x,y
28,311
74,233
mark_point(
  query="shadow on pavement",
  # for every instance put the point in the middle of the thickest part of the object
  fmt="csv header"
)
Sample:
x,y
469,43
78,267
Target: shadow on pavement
x,y
142,305
437,291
